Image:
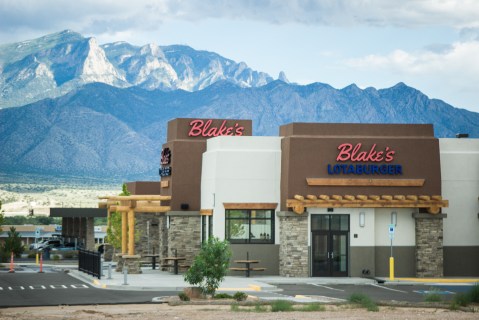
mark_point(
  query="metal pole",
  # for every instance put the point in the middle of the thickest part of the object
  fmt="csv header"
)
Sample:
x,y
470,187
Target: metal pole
x,y
125,275
109,270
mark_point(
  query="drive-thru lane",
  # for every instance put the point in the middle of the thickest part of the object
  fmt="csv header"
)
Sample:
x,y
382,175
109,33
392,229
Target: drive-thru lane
x,y
50,289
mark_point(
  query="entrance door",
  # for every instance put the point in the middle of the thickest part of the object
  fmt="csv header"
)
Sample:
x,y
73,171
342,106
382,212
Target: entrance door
x,y
330,245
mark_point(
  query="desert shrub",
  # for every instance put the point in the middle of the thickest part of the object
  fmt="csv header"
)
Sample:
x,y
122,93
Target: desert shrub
x,y
474,293
364,301
432,296
183,296
281,306
240,296
223,296
311,307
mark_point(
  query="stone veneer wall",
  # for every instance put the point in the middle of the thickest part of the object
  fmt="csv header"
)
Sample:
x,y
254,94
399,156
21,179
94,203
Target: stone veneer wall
x,y
147,241
293,249
184,235
162,237
429,245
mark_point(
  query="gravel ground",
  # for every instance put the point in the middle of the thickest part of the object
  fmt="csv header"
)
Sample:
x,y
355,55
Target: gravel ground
x,y
214,312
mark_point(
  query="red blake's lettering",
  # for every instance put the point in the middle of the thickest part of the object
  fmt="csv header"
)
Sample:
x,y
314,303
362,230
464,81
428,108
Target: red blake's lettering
x,y
201,128
347,152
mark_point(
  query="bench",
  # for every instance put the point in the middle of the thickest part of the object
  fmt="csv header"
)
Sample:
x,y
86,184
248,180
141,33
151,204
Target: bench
x,y
238,269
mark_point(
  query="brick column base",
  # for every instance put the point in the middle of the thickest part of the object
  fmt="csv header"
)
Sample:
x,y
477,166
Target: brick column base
x,y
429,245
293,248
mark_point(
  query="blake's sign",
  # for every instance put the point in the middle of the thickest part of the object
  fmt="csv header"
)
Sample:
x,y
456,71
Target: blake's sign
x,y
205,129
360,157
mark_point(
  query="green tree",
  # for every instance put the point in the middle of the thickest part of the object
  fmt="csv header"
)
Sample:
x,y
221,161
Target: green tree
x,y
113,232
210,266
2,218
13,243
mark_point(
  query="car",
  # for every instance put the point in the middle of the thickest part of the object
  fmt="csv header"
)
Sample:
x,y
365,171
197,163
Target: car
x,y
50,243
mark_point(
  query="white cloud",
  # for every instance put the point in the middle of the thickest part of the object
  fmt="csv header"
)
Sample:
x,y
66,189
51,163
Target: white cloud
x,y
450,74
120,15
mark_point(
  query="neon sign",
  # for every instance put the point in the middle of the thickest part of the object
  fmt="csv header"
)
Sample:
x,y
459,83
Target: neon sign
x,y
204,129
348,152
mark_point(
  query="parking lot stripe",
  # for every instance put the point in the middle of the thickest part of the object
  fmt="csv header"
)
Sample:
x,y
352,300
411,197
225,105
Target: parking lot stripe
x,y
319,285
32,287
378,286
64,286
52,286
43,287
10,288
22,288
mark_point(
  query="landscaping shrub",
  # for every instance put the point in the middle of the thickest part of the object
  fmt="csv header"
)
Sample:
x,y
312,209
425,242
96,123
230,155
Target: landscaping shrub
x,y
223,296
364,301
432,296
240,296
281,306
311,307
183,296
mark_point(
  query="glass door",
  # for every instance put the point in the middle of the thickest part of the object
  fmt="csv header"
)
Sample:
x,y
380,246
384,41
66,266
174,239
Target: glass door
x,y
330,245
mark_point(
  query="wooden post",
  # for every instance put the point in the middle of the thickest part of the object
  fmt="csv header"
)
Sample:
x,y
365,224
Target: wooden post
x,y
124,232
131,232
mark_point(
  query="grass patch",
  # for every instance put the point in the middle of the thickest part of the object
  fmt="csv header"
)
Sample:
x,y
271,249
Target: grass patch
x,y
464,299
281,306
311,307
364,301
258,308
474,293
183,296
222,296
432,296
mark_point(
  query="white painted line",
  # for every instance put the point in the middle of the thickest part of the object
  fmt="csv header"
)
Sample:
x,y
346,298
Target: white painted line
x,y
64,286
21,287
52,286
320,285
43,287
73,286
1,288
32,287
85,286
10,288
386,288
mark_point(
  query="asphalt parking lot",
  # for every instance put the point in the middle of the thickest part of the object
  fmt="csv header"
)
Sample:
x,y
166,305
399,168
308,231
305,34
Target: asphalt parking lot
x,y
377,292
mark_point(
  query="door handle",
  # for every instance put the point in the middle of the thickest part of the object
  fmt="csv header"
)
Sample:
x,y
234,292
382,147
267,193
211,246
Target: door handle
x,y
332,255
328,255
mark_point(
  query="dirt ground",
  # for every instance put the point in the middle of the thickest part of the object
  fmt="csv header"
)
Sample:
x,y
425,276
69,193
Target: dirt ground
x,y
217,312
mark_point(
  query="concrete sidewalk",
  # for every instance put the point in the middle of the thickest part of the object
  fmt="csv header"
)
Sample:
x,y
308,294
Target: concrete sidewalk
x,y
166,281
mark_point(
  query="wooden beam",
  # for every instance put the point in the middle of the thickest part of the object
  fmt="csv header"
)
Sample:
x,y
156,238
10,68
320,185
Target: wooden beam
x,y
298,197
165,184
206,212
124,232
338,182
131,232
138,197
349,197
311,197
152,209
324,197
251,205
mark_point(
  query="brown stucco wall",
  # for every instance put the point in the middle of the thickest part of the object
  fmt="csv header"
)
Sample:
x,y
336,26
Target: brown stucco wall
x,y
307,149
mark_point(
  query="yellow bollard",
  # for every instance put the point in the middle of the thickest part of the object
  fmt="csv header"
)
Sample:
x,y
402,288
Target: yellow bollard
x,y
391,268
36,259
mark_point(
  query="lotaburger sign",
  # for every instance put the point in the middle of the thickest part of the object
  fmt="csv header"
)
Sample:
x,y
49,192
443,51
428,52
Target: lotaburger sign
x,y
355,159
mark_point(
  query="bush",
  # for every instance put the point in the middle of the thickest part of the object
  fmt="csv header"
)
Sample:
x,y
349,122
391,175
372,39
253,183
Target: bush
x,y
210,266
461,299
364,301
223,296
183,296
312,307
432,296
281,306
474,293
240,296
56,257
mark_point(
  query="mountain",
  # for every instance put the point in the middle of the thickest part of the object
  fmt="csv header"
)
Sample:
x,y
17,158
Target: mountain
x,y
56,64
99,130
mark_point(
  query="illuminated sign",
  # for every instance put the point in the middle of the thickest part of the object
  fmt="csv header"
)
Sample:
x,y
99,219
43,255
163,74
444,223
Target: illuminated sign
x,y
165,156
165,171
205,129
355,153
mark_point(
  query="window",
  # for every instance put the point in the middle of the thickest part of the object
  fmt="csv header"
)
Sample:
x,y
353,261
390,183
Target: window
x,y
249,226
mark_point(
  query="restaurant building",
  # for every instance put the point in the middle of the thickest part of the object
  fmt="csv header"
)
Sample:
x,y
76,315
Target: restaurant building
x,y
320,200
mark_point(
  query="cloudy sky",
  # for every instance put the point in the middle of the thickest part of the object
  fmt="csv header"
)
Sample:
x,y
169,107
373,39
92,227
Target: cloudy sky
x,y
432,45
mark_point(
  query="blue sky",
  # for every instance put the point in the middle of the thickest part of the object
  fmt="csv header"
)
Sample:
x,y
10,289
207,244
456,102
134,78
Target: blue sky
x,y
432,45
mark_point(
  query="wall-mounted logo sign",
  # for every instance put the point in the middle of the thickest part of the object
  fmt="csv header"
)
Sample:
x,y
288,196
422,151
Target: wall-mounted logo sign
x,y
356,153
165,156
205,129
165,171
